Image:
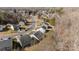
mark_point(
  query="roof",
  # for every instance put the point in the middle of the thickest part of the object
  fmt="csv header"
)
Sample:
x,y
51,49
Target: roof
x,y
44,27
42,30
10,26
25,40
21,23
6,44
38,34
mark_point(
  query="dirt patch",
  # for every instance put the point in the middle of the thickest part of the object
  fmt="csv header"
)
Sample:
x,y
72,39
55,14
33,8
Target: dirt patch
x,y
67,30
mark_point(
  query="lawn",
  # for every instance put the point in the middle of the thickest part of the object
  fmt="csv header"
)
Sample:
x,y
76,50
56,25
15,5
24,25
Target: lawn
x,y
52,21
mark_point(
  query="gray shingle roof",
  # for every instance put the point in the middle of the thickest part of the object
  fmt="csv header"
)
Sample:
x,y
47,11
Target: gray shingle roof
x,y
6,44
44,27
25,40
38,34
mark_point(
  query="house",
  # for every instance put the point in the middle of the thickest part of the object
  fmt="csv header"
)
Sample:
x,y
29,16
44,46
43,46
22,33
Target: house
x,y
40,32
25,40
37,35
16,27
9,27
16,45
47,26
44,26
6,44
21,23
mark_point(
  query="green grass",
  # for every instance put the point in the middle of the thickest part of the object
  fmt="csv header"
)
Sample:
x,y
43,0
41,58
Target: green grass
x,y
52,21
